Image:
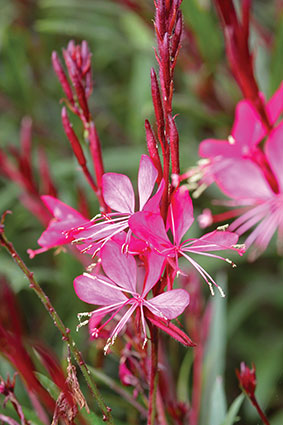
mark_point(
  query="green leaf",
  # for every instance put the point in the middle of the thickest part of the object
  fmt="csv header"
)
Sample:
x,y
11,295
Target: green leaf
x,y
217,408
184,376
214,360
92,418
48,385
231,416
205,28
276,61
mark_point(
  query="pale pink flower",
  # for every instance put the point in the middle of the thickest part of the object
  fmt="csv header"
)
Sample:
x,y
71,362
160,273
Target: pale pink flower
x,y
245,183
119,195
150,227
247,130
126,285
246,134
56,234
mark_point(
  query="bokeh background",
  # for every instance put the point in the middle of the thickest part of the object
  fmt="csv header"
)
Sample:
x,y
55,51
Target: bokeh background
x,y
248,323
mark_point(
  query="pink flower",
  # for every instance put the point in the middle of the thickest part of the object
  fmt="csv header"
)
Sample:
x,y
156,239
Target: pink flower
x,y
65,219
245,183
126,285
119,195
247,132
150,227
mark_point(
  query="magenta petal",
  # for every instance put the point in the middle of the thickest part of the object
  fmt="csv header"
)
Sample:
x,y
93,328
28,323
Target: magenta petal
x,y
98,290
171,303
214,241
119,267
146,179
242,179
274,152
247,129
180,215
155,263
274,106
150,228
60,210
118,192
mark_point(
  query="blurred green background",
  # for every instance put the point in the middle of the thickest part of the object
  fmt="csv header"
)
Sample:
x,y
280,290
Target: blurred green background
x,y
250,319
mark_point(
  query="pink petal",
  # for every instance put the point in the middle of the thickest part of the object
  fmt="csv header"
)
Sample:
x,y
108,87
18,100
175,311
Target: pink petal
x,y
98,290
66,218
274,152
180,215
93,324
214,241
154,269
170,329
210,148
119,267
53,235
275,105
118,192
242,179
146,179
247,129
60,210
171,303
150,228
153,204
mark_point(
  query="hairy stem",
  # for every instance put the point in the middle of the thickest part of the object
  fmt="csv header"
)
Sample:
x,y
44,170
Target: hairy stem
x,y
65,332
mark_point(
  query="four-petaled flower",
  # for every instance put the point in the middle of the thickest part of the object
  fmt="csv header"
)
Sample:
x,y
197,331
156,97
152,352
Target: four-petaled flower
x,y
124,284
119,195
150,227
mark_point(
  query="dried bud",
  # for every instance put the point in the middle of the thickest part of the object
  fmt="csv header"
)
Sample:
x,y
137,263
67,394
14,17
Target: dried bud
x,y
247,379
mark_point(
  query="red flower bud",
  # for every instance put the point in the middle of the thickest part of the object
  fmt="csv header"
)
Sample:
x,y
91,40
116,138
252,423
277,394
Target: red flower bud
x,y
247,379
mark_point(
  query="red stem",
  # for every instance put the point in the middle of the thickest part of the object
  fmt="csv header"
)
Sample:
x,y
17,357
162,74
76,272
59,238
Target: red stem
x,y
153,376
260,412
197,381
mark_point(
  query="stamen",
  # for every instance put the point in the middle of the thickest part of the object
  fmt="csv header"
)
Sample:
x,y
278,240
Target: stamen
x,y
221,291
196,194
210,287
231,140
223,228
82,324
144,343
230,262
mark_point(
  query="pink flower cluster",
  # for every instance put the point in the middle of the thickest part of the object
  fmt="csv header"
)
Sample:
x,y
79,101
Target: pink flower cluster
x,y
137,254
247,167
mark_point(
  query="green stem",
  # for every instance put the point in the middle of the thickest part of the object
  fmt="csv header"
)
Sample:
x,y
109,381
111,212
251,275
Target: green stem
x,y
65,332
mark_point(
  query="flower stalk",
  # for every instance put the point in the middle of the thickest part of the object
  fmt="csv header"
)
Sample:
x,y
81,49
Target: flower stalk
x,y
153,381
247,381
